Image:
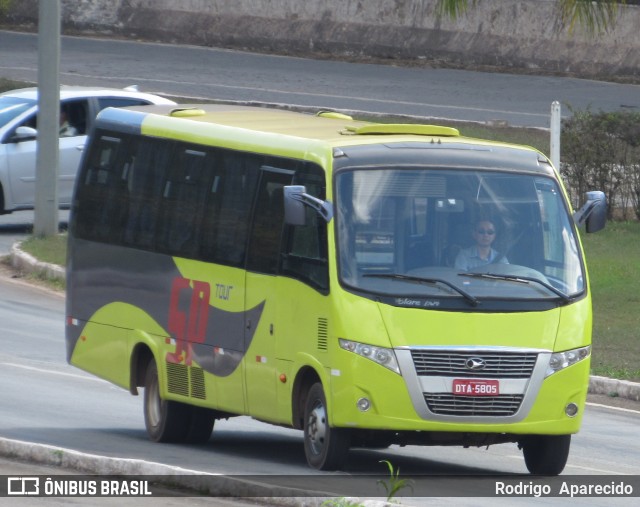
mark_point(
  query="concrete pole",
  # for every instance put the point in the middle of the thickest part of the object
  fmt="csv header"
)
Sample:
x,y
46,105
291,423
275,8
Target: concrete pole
x,y
45,221
554,145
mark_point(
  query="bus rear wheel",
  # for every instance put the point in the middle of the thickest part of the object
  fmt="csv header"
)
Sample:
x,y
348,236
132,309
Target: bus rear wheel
x,y
546,454
200,425
326,448
166,421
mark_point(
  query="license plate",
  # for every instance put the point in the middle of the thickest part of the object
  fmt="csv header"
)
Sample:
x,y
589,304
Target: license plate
x,y
473,387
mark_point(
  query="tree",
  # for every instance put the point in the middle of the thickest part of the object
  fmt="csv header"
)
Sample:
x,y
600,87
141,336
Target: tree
x,y
596,16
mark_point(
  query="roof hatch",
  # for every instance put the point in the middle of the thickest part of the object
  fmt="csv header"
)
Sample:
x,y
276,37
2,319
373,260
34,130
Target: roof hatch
x,y
405,128
185,112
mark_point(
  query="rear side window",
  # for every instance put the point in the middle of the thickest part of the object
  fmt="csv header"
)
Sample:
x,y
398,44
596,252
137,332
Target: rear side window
x,y
104,102
102,191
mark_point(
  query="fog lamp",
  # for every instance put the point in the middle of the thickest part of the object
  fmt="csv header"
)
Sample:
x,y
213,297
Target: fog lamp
x,y
571,409
363,404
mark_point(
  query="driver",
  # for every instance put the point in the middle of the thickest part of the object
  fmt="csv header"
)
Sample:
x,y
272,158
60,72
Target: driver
x,y
482,253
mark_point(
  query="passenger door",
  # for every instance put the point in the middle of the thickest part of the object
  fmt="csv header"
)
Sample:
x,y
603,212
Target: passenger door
x,y
261,286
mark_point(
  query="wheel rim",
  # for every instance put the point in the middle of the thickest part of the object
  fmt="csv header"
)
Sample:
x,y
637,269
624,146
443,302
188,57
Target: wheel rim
x,y
153,404
317,428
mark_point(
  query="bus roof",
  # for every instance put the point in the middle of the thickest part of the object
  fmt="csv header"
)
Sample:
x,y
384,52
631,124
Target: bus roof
x,y
295,134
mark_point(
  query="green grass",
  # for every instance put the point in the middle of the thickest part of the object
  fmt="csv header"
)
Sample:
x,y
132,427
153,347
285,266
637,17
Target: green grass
x,y
52,250
613,260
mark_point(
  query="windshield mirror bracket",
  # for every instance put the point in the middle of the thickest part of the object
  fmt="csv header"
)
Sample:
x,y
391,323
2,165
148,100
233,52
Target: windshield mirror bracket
x,y
295,200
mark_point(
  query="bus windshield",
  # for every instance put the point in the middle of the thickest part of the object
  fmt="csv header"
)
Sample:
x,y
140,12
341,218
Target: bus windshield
x,y
463,234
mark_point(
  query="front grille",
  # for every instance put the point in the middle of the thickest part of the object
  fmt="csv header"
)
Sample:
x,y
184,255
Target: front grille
x,y
448,404
498,365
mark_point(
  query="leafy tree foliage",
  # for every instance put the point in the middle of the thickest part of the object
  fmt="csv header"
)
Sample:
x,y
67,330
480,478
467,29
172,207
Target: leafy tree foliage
x,y
601,151
596,16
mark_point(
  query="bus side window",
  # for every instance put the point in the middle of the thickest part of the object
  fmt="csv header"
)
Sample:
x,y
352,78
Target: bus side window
x,y
103,191
145,183
183,195
228,206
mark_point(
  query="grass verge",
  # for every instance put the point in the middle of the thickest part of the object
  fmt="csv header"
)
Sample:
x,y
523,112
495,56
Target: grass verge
x,y
613,259
52,250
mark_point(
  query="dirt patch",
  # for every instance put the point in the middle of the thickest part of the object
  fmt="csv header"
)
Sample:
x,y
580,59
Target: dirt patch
x,y
614,401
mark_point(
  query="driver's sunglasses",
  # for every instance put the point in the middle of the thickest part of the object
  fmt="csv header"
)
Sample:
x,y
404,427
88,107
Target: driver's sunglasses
x,y
490,232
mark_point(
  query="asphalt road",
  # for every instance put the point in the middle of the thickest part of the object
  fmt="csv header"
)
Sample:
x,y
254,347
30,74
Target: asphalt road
x,y
231,75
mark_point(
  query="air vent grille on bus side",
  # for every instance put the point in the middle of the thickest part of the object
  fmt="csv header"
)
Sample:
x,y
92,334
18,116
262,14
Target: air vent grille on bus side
x,y
197,384
178,379
186,381
323,326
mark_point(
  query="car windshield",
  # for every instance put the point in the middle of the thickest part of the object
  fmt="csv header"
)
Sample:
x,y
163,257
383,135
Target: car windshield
x,y
10,107
445,234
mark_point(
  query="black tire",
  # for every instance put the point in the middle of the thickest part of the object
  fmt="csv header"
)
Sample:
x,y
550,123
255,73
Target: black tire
x,y
372,439
166,421
200,425
546,454
326,448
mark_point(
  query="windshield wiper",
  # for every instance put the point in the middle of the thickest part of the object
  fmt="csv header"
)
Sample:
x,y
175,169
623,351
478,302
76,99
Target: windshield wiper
x,y
520,279
417,279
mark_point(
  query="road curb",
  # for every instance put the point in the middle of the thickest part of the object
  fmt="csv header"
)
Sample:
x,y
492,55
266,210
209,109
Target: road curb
x,y
201,483
614,388
26,263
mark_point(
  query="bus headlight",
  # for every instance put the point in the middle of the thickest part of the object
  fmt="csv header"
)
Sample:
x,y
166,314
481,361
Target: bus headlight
x,y
383,356
561,360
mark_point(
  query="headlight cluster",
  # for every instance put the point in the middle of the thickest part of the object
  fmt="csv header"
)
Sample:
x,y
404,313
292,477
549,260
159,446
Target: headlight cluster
x,y
383,356
560,360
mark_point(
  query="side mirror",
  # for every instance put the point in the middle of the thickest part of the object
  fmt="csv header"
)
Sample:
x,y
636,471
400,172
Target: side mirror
x,y
593,213
295,201
24,134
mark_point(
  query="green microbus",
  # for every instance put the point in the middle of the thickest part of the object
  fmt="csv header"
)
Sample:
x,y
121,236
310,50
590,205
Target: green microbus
x,y
368,284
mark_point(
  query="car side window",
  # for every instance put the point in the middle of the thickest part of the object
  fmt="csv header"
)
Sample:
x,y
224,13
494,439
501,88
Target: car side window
x,y
104,102
74,112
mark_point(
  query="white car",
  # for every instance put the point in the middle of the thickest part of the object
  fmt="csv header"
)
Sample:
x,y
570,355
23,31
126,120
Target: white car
x,y
18,124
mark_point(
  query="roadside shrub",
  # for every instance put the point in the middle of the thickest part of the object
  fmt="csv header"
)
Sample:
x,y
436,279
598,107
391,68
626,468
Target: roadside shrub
x,y
601,151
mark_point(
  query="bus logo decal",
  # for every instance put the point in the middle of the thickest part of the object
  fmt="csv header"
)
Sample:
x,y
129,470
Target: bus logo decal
x,y
190,326
475,363
217,349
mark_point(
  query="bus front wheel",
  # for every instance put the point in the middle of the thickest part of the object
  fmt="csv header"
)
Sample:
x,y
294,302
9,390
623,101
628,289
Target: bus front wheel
x,y
166,421
325,447
546,454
